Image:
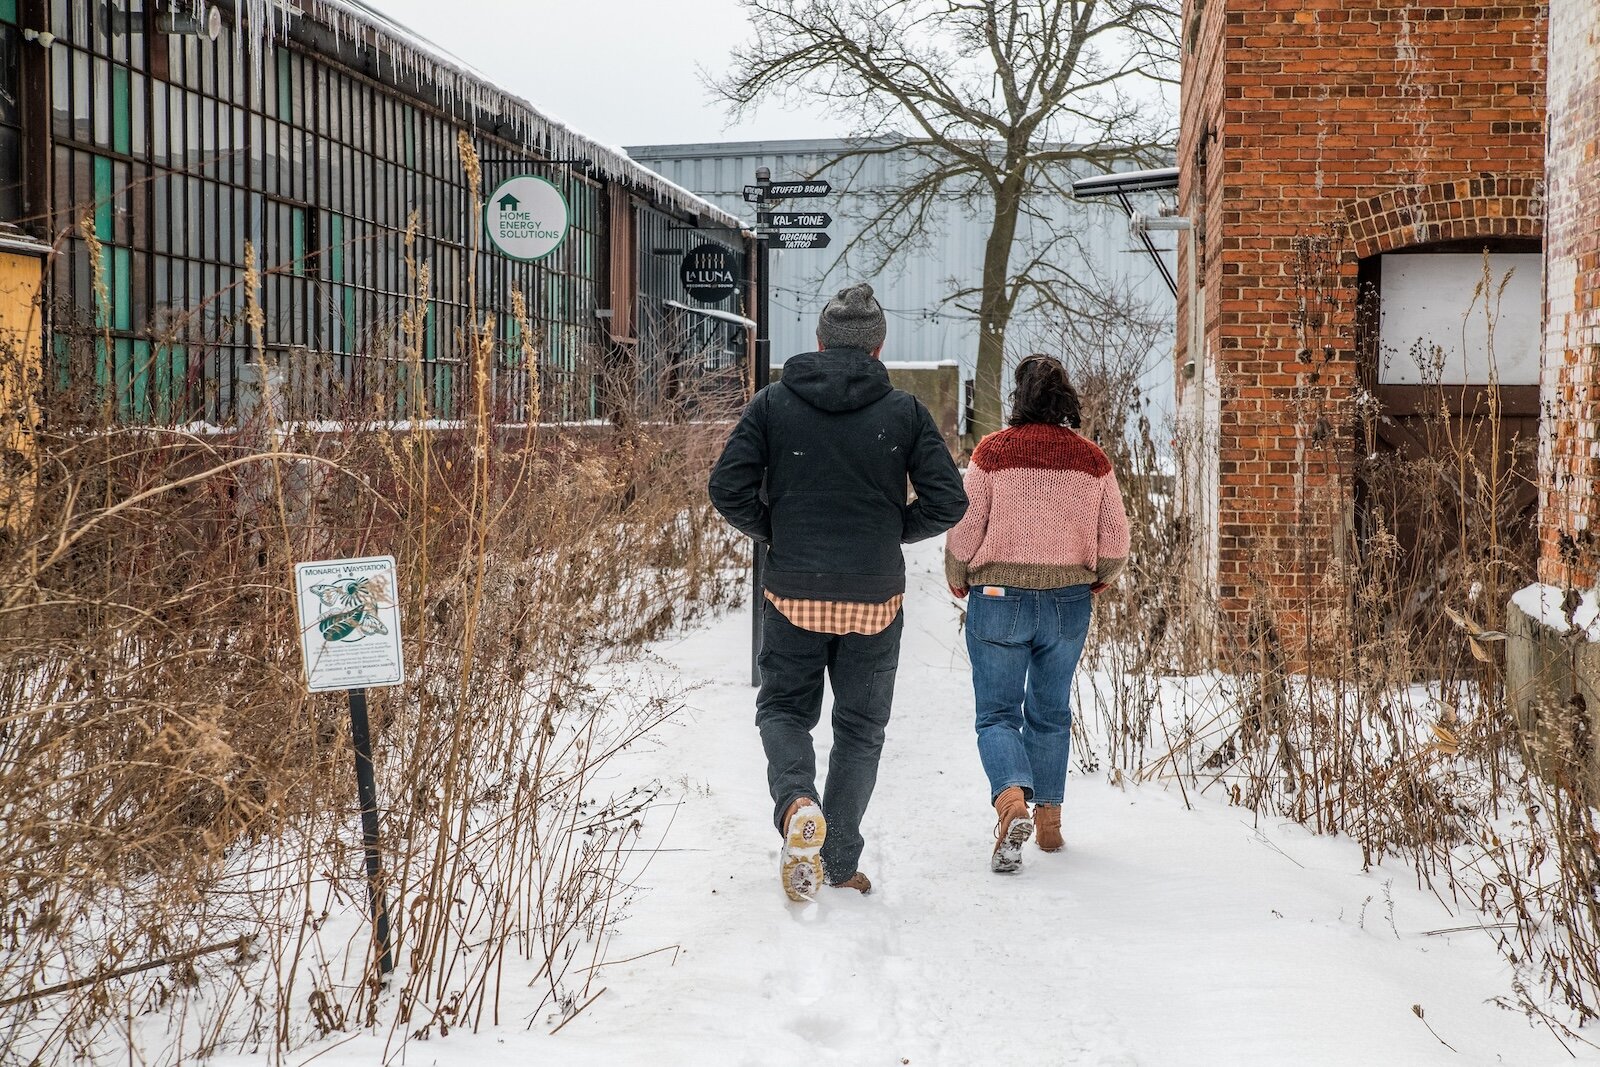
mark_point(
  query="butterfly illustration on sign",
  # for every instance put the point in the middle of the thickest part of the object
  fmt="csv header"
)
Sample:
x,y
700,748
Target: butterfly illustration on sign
x,y
350,607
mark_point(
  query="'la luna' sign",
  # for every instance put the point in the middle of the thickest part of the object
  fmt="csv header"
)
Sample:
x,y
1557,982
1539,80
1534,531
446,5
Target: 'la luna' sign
x,y
710,272
526,217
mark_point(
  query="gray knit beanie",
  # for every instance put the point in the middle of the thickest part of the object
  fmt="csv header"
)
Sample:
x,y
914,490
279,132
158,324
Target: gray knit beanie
x,y
852,319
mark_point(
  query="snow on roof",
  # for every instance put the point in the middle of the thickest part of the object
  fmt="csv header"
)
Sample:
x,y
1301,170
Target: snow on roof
x,y
463,89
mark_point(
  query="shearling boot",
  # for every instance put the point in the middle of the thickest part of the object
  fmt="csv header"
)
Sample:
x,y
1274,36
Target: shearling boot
x,y
1047,819
1012,832
804,830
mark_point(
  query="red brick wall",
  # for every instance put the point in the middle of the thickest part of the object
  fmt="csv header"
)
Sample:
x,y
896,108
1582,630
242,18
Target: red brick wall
x,y
1569,504
1343,128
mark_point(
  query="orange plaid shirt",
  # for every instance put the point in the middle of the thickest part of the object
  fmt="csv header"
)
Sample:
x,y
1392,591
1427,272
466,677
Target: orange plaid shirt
x,y
838,616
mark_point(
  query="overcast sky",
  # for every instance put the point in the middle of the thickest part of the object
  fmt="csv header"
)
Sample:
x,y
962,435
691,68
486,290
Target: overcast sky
x,y
624,72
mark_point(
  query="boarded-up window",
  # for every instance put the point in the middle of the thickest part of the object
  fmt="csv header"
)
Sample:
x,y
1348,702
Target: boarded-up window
x,y
1444,321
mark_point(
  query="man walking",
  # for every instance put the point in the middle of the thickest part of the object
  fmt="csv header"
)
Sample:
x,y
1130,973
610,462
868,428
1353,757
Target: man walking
x,y
816,472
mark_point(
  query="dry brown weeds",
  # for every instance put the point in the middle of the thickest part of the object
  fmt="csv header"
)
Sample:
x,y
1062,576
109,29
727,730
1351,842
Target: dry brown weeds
x,y
179,849
1401,737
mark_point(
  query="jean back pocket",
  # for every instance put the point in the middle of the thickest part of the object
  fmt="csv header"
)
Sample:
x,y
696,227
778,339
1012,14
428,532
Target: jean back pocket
x,y
992,617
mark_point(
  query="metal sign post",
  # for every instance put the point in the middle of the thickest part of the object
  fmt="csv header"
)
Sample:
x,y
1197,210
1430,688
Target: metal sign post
x,y
350,639
785,230
367,793
763,378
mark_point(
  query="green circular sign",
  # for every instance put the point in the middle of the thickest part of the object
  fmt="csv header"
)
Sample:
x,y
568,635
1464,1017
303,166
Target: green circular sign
x,y
526,218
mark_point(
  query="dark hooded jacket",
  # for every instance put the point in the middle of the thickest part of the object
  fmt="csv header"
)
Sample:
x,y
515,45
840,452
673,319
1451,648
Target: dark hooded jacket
x,y
817,470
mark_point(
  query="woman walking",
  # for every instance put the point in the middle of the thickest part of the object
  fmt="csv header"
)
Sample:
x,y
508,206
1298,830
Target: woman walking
x,y
1045,531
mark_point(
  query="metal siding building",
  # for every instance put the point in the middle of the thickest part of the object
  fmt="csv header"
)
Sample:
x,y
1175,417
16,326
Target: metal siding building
x,y
923,324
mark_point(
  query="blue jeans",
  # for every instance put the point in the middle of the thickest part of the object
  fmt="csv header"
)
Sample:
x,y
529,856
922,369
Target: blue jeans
x,y
1024,645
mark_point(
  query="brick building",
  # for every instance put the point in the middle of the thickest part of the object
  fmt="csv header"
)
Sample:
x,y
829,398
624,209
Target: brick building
x,y
1554,681
1330,149
1570,489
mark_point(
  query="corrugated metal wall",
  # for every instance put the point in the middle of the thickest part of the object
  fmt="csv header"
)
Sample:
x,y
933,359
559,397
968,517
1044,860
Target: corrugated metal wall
x,y
923,324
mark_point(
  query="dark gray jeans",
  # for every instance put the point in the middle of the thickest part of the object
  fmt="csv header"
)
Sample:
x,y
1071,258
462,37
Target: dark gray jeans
x,y
789,705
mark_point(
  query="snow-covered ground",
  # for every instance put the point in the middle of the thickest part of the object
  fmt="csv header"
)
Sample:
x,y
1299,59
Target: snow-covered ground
x,y
1163,936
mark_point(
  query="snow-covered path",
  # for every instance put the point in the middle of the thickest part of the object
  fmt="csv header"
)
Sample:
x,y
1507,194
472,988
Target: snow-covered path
x,y
1162,936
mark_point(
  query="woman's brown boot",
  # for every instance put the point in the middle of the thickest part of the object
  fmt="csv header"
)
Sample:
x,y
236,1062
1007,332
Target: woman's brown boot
x,y
1047,820
1013,831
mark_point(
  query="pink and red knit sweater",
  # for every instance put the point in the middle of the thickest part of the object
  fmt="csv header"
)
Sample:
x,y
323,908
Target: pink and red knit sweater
x,y
1045,512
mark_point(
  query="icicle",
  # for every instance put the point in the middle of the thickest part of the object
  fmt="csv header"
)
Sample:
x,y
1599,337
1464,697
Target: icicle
x,y
463,91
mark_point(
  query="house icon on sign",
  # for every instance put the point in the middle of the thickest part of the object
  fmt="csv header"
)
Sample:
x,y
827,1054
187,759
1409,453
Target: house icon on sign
x,y
508,203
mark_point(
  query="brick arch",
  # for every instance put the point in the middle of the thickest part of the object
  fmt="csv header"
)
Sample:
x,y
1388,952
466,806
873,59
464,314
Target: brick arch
x,y
1489,205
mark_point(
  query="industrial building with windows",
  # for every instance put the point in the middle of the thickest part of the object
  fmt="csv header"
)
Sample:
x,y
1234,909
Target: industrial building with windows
x,y
173,136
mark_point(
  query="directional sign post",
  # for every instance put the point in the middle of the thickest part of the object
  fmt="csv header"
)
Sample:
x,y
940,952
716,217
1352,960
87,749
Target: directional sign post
x,y
784,190
778,230
765,191
794,220
798,239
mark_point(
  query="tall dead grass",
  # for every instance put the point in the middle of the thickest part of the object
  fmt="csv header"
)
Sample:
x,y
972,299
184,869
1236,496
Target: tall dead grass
x,y
1400,736
179,847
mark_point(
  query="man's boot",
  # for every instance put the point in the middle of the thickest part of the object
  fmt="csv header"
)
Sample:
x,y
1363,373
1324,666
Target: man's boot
x,y
1047,819
804,830
858,881
1013,831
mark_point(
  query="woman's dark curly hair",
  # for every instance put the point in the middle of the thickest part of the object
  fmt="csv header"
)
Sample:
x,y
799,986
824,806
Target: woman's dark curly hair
x,y
1043,394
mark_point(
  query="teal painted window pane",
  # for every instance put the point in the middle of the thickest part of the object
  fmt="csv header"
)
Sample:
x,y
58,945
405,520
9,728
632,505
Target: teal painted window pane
x,y
123,376
102,370
102,313
178,383
102,198
141,381
161,371
121,288
513,334
336,248
8,11
285,95
121,109
63,364
443,388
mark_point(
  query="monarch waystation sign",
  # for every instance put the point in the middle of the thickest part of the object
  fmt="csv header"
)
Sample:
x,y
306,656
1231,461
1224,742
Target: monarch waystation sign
x,y
349,623
526,217
349,613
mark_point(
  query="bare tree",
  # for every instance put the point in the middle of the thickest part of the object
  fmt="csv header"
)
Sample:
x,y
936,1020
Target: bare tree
x,y
999,101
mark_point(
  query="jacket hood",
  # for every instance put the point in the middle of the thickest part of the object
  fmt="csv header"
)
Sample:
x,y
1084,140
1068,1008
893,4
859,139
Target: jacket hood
x,y
837,379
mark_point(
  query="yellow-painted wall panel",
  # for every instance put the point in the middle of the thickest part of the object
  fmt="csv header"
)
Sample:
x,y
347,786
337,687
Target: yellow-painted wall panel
x,y
20,361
